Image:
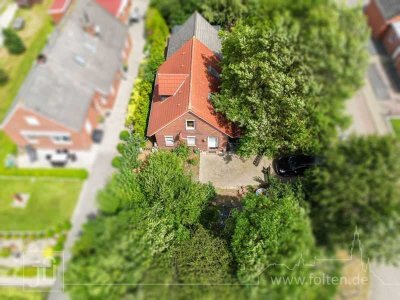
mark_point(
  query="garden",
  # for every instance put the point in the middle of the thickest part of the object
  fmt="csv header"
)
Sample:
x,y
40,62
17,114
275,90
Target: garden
x,y
51,202
16,66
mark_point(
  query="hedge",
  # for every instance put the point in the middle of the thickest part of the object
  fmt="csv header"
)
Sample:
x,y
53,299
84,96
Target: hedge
x,y
57,173
139,106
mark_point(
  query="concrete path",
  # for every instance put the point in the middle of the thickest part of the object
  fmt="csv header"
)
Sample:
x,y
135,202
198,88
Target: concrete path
x,y
102,169
6,18
230,171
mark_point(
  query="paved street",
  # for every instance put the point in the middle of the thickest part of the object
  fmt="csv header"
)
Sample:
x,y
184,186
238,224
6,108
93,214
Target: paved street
x,y
102,169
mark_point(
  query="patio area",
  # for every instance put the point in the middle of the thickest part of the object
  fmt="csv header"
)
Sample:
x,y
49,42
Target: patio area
x,y
47,158
231,171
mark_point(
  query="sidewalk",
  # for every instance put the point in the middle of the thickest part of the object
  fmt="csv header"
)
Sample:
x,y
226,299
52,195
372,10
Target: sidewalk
x,y
102,169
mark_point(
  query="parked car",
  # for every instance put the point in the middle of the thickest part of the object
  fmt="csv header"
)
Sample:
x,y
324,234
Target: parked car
x,y
134,17
97,136
294,165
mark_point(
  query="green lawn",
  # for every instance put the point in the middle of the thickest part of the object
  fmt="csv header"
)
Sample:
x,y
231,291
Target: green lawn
x,y
396,127
51,202
20,294
38,27
6,147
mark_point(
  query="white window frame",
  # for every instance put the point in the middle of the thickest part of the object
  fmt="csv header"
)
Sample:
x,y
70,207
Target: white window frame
x,y
194,141
61,142
208,142
32,121
190,128
88,127
167,139
31,139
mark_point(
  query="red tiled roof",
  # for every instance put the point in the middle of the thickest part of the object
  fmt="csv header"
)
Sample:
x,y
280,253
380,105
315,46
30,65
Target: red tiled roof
x,y
59,5
168,84
185,77
112,6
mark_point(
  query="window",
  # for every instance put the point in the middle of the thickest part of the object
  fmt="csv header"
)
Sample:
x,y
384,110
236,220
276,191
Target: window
x,y
169,141
32,139
212,142
88,127
61,139
213,72
189,124
191,141
32,121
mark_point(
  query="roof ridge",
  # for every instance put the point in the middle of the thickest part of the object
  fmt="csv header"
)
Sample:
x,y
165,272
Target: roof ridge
x,y
190,74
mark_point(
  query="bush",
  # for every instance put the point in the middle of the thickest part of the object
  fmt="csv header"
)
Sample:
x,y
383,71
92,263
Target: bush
x,y
124,135
120,148
3,77
139,105
116,162
13,42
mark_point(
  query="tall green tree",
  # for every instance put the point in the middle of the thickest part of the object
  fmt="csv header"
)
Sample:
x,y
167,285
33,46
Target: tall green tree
x,y
267,89
272,240
357,187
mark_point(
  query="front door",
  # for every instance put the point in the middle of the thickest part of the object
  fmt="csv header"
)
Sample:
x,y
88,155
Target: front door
x,y
212,142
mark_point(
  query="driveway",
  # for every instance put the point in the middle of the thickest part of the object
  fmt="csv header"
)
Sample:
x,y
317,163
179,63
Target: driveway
x,y
230,171
102,169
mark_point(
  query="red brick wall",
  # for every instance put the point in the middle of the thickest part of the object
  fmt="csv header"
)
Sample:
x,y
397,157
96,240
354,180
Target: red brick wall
x,y
57,17
202,131
375,19
390,40
79,140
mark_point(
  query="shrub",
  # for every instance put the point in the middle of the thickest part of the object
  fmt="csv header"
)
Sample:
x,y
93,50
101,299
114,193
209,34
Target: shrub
x,y
13,42
139,105
3,77
124,135
120,148
116,162
182,151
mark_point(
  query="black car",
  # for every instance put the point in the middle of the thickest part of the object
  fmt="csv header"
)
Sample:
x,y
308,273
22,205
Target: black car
x,y
293,165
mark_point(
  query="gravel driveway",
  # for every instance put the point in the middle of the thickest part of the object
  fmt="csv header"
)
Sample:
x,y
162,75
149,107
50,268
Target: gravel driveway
x,y
230,171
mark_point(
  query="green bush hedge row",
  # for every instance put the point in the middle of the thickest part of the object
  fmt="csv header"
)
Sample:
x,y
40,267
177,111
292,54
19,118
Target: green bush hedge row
x,y
58,173
157,34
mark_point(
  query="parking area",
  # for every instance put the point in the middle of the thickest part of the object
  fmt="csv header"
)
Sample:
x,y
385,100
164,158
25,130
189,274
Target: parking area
x,y
230,171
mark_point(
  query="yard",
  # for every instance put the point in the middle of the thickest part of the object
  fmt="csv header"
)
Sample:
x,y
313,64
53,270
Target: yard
x,y
51,202
34,35
19,294
396,127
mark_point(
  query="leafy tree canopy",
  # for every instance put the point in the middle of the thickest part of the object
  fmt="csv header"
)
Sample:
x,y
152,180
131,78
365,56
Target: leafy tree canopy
x,y
356,186
268,90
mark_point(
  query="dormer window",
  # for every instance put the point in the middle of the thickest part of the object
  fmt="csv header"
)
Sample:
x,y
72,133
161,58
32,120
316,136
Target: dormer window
x,y
190,125
213,72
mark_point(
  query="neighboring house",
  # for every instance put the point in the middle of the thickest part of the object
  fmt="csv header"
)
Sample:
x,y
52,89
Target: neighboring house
x,y
118,8
181,110
384,20
58,9
73,83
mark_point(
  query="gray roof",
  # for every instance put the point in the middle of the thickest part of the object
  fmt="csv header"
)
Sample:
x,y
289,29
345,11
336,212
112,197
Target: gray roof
x,y
196,26
389,8
78,64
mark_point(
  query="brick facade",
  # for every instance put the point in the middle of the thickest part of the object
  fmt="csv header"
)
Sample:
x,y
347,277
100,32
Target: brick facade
x,y
375,19
177,129
17,125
